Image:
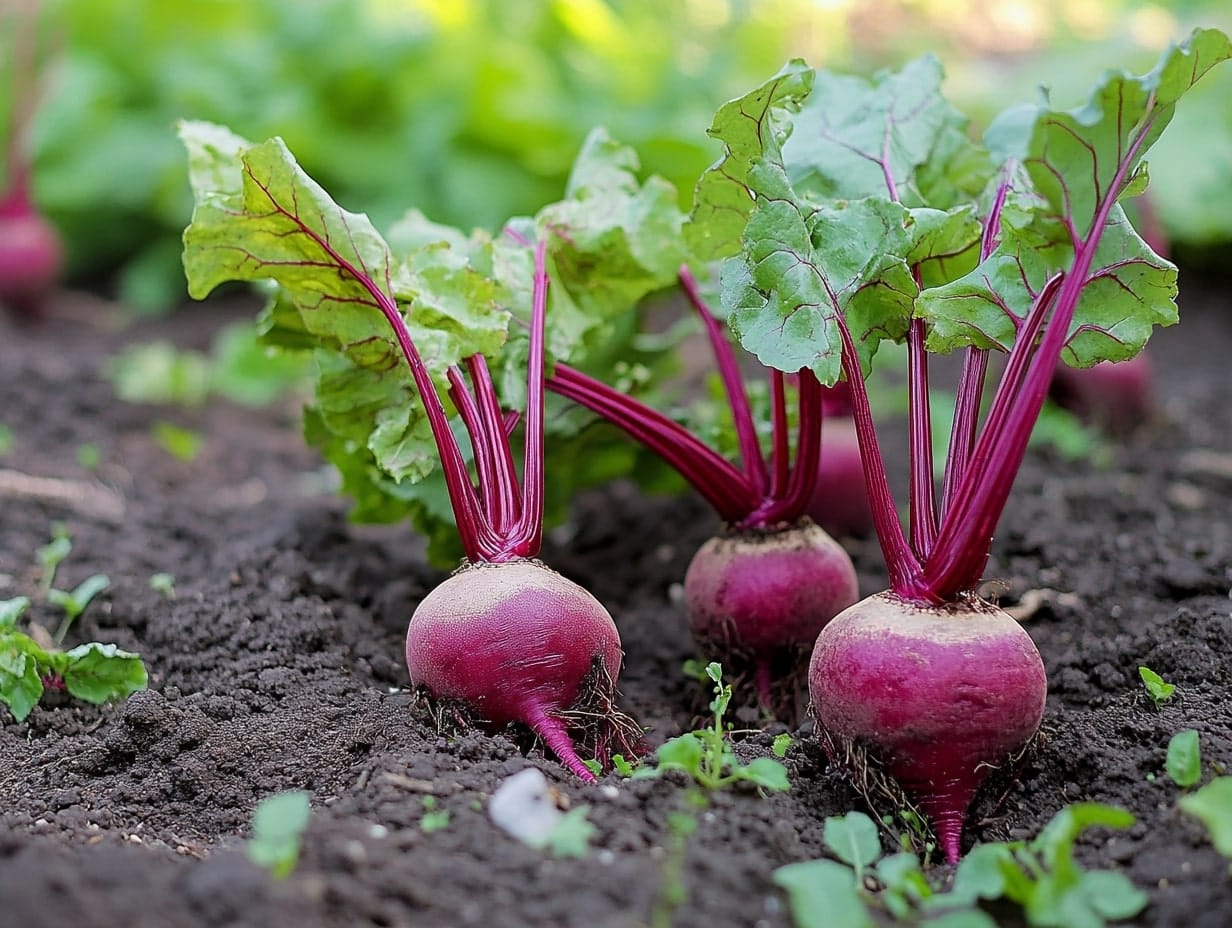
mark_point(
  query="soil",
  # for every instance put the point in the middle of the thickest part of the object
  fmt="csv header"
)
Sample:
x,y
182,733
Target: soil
x,y
278,664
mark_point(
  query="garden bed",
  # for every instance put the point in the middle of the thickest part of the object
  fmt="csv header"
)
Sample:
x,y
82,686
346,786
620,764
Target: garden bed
x,y
278,665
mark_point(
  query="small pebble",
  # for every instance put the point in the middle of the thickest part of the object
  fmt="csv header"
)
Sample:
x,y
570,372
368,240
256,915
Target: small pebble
x,y
525,807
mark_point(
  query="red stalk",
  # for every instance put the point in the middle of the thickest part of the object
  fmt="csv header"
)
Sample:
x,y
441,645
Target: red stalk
x,y
502,486
923,518
751,459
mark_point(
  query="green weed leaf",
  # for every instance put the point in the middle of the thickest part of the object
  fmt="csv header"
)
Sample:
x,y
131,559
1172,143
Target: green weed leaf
x,y
1184,761
823,894
278,824
99,673
853,839
1212,805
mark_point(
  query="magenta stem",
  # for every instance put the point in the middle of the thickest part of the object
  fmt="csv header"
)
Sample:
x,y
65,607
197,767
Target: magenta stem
x,y
506,501
528,534
901,562
790,505
713,477
957,562
966,417
464,402
780,450
922,501
751,459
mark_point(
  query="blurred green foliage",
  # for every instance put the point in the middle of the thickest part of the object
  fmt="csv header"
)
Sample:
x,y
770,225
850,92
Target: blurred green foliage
x,y
473,110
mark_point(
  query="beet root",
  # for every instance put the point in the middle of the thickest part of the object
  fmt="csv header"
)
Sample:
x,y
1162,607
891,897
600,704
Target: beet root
x,y
935,696
756,601
517,642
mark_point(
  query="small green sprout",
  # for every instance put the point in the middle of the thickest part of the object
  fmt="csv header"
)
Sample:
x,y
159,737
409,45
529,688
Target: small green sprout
x,y
93,672
51,555
278,824
1184,761
572,835
434,817
181,443
1212,806
782,743
622,766
163,583
862,889
6,440
89,457
707,756
1159,690
74,602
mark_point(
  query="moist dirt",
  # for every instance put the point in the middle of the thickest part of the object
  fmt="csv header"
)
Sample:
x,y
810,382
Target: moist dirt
x,y
278,664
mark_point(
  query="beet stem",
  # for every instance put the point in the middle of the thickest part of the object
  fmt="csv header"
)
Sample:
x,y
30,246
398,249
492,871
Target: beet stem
x,y
751,458
528,534
922,500
507,502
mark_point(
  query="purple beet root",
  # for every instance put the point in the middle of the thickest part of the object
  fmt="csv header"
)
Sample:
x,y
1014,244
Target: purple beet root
x,y
937,697
517,642
757,600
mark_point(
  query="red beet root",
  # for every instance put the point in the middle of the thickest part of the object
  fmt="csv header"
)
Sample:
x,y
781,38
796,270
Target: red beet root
x,y
517,642
757,600
937,697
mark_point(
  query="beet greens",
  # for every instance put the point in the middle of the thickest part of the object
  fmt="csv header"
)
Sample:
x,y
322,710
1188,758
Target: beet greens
x,y
852,211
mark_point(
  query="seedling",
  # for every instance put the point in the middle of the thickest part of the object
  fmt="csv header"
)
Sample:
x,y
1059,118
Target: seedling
x,y
278,824
572,835
6,440
89,457
707,756
1159,690
434,818
181,443
862,888
163,583
74,602
1184,761
52,554
781,745
1212,805
95,673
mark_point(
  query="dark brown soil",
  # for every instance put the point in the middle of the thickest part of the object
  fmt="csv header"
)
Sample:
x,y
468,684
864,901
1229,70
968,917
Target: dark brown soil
x,y
278,665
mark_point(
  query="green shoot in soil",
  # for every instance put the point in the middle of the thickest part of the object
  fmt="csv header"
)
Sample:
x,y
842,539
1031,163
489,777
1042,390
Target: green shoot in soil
x,y
707,756
1184,762
95,673
862,889
434,818
163,583
1212,806
278,824
52,554
1159,691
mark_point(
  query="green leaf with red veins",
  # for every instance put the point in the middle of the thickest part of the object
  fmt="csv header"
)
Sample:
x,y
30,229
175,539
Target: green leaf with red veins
x,y
944,243
1129,290
1078,163
1078,158
801,270
855,137
752,128
333,269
